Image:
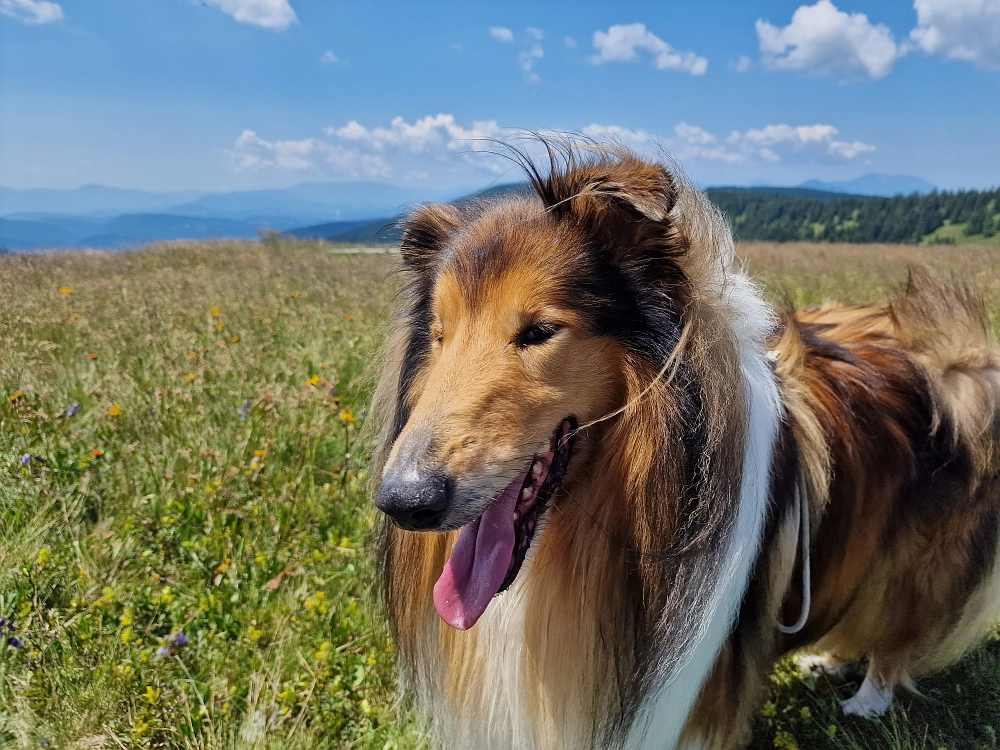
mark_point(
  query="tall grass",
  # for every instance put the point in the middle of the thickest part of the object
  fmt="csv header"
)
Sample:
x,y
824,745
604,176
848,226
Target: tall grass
x,y
183,513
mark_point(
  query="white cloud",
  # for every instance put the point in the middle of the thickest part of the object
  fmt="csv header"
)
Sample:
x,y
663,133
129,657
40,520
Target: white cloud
x,y
811,140
824,40
536,34
743,64
268,14
329,58
432,133
620,42
502,34
31,12
527,60
309,155
570,42
966,30
693,142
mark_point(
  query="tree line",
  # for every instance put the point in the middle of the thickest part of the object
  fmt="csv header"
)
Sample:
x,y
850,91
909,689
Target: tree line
x,y
755,214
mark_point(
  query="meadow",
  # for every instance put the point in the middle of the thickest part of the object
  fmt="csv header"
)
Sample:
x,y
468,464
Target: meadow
x,y
184,504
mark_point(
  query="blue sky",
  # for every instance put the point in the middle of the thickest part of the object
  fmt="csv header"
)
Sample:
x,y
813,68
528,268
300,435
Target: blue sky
x,y
234,94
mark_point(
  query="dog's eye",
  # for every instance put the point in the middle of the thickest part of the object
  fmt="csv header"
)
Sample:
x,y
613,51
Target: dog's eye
x,y
536,334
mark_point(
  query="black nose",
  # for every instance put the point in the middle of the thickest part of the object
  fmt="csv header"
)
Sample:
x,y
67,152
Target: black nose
x,y
414,502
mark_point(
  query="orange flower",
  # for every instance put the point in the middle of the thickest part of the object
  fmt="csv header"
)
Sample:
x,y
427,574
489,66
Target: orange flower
x,y
234,339
91,356
96,453
15,396
115,411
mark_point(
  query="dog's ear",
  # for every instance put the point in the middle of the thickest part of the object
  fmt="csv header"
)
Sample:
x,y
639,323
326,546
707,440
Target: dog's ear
x,y
641,189
425,232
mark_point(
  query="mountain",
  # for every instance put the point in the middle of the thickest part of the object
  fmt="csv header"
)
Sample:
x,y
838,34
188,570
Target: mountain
x,y
785,192
89,199
885,185
137,229
388,229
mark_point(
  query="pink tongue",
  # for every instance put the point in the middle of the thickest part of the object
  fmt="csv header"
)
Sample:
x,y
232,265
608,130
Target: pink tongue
x,y
479,562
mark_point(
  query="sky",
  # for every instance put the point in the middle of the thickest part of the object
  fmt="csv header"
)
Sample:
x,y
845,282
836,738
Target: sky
x,y
248,94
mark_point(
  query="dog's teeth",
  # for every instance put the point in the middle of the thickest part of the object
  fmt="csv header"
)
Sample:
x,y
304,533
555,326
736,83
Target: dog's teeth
x,y
526,493
536,470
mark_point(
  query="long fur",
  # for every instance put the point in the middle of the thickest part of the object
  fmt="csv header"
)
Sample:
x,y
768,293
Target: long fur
x,y
644,614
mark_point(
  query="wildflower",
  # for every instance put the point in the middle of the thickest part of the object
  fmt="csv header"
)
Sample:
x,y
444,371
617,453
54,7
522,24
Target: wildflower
x,y
769,710
244,411
192,355
96,453
65,290
216,312
44,555
219,326
179,639
350,317
115,411
314,380
15,396
347,416
127,635
26,459
336,329
295,294
15,642
91,356
260,453
45,743
324,651
151,695
317,603
234,339
163,652
73,410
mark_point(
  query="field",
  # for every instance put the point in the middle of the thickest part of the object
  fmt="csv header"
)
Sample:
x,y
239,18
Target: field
x,y
184,507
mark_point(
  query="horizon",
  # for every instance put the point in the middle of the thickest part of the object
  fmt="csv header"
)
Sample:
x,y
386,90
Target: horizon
x,y
246,95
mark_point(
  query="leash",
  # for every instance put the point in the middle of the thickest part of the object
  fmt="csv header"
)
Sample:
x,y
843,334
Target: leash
x,y
804,544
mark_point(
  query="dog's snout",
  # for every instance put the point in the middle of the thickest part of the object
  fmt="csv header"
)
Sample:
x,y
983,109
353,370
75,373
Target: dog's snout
x,y
415,502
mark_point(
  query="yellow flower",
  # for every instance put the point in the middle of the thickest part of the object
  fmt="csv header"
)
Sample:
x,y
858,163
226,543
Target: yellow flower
x,y
127,617
347,416
65,290
115,411
769,710
44,555
16,395
219,326
260,454
127,635
151,695
190,377
314,380
216,312
324,651
317,603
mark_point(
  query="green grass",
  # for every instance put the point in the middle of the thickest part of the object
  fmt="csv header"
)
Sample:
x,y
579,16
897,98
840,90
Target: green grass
x,y
212,483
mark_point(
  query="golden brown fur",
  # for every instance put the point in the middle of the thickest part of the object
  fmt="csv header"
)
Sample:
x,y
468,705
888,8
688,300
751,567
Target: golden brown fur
x,y
890,430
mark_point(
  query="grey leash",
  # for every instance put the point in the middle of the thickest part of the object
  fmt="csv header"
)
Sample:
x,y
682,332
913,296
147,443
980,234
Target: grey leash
x,y
804,545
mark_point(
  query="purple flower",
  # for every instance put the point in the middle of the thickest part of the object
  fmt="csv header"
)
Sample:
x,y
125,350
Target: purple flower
x,y
25,459
179,639
244,411
163,652
15,642
3,622
73,410
46,743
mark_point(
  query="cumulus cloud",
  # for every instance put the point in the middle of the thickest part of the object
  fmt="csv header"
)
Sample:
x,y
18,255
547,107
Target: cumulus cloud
x,y
768,141
824,40
967,30
502,34
329,58
309,156
743,64
621,42
534,33
268,14
31,12
430,133
527,60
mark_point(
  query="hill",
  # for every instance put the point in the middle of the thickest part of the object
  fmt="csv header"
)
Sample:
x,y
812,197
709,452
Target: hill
x,y
883,185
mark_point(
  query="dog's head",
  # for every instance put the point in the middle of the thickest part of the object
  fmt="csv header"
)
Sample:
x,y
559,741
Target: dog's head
x,y
522,313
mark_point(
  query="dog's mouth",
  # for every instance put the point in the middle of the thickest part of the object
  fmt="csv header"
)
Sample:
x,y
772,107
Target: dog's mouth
x,y
490,551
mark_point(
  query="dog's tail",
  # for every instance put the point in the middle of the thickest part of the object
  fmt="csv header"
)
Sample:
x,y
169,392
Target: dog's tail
x,y
943,325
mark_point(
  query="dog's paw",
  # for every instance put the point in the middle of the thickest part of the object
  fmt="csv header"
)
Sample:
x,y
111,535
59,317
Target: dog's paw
x,y
824,663
870,702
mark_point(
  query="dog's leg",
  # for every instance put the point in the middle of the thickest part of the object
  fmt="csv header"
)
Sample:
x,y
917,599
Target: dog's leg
x,y
872,699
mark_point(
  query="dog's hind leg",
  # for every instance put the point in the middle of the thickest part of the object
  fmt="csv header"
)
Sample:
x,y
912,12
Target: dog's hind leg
x,y
873,697
823,663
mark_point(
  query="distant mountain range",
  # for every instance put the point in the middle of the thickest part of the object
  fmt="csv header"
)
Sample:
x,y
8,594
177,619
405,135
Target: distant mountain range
x,y
362,212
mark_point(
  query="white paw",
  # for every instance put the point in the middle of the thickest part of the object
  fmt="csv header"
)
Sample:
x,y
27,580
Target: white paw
x,y
810,663
870,702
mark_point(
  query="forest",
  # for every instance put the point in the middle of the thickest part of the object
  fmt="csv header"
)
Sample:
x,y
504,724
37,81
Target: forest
x,y
937,218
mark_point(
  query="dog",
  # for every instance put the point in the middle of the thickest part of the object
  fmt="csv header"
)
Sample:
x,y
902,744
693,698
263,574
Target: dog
x,y
618,486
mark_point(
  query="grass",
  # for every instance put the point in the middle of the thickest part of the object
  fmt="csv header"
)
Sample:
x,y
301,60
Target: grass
x,y
183,506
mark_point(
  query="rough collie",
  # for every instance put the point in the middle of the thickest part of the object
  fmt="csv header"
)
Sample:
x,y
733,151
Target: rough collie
x,y
620,486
